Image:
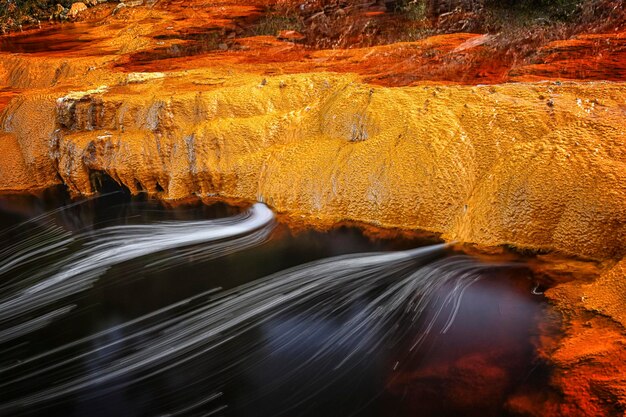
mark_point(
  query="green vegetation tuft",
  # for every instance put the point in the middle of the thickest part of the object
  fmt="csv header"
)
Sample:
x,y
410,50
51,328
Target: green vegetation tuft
x,y
412,9
522,11
271,24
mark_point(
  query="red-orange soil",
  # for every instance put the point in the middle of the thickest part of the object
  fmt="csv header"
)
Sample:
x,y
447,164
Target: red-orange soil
x,y
177,35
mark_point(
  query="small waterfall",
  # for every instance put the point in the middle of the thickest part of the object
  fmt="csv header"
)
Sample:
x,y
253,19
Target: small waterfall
x,y
381,297
51,264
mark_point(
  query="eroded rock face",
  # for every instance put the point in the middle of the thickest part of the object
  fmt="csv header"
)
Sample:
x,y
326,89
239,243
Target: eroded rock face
x,y
536,166
590,358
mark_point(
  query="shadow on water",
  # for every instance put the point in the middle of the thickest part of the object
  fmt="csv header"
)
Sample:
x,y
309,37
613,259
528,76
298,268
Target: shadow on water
x,y
65,38
343,350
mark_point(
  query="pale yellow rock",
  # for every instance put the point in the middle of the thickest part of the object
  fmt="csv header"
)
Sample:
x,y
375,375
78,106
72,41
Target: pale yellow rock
x,y
77,8
491,165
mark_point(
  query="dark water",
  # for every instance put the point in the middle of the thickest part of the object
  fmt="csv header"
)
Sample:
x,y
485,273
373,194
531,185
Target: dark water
x,y
272,368
61,38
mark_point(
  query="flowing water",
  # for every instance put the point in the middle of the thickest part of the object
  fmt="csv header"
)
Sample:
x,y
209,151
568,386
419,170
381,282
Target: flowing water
x,y
119,306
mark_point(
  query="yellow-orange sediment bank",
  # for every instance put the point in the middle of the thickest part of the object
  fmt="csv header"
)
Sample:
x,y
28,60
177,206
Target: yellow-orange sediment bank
x,y
539,166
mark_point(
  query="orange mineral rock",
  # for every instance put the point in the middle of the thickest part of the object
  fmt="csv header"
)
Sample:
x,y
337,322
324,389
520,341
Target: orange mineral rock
x,y
77,8
590,357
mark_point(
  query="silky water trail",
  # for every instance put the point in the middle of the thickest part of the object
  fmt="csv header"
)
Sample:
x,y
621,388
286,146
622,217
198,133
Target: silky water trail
x,y
120,306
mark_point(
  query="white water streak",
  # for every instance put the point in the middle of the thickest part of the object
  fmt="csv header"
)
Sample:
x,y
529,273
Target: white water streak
x,y
104,248
150,346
